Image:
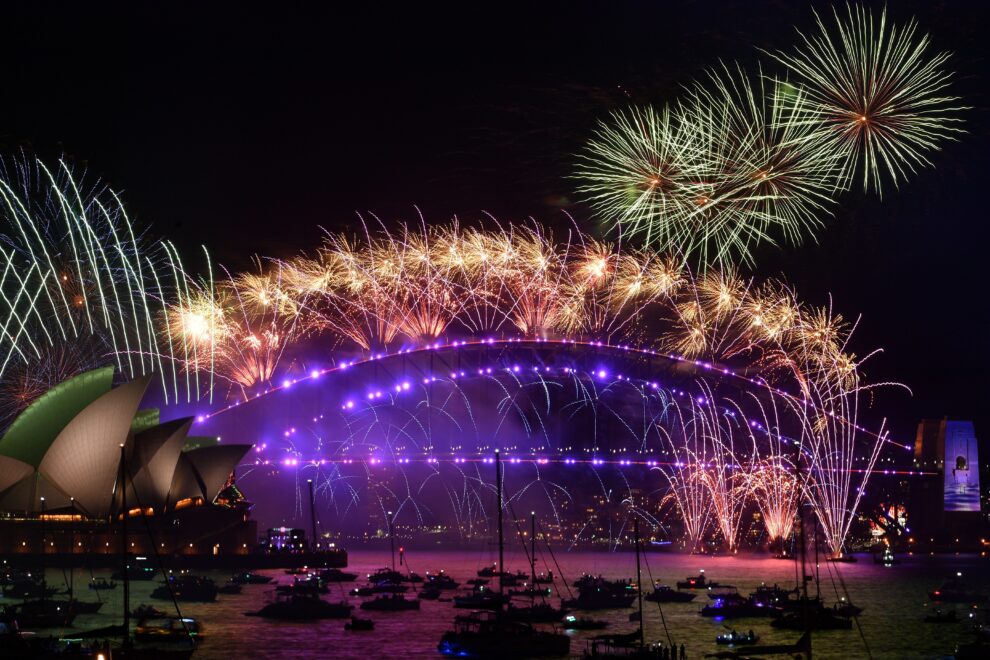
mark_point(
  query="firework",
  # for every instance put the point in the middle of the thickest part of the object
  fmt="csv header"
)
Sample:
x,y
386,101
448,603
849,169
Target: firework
x,y
879,96
744,160
238,328
80,285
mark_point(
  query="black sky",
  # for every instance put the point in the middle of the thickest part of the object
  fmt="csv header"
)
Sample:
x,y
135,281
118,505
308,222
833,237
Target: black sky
x,y
245,126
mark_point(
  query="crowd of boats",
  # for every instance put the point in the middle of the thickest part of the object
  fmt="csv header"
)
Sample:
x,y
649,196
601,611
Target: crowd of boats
x,y
508,614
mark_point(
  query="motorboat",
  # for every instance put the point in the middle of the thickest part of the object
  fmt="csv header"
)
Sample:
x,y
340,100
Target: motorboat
x,y
440,581
356,624
385,587
302,607
187,588
733,606
429,594
734,638
247,577
572,622
169,628
337,575
43,613
28,587
938,616
147,612
309,584
886,558
390,603
480,597
818,617
484,634
536,613
86,606
101,584
135,573
663,594
229,588
954,591
699,581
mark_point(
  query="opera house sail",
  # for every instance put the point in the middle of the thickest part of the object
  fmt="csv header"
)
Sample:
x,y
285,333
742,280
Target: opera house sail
x,y
59,480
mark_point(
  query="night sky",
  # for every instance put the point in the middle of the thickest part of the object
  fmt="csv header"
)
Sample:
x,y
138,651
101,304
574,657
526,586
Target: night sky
x,y
245,129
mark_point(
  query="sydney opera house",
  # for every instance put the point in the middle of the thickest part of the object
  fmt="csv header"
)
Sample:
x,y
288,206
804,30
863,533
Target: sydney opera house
x,y
60,480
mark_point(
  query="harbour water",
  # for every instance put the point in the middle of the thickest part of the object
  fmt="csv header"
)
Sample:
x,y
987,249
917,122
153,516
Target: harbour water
x,y
894,601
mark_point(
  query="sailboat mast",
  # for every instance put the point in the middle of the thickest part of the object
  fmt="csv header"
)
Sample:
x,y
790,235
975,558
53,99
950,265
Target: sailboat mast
x,y
805,613
391,539
532,554
123,546
72,546
501,544
44,582
639,586
312,516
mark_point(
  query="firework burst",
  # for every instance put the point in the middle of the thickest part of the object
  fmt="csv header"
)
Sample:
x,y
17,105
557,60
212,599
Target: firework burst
x,y
879,96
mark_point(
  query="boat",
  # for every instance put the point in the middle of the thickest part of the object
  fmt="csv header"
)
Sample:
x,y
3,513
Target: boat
x,y
938,616
28,588
734,606
386,575
101,584
845,608
337,575
43,613
390,603
247,577
734,638
309,584
440,581
135,573
699,581
512,579
302,607
385,587
491,634
886,558
86,606
167,629
774,596
429,594
606,597
147,612
663,594
812,615
477,582
536,613
954,591
229,588
622,645
572,622
479,598
190,588
177,649
356,624
488,571
532,592
298,570
484,634
843,558
544,578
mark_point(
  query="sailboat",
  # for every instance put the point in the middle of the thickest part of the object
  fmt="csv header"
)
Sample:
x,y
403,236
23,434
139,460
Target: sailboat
x,y
631,646
490,634
127,651
536,612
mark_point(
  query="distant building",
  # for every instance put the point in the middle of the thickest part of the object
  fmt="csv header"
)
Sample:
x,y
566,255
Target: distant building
x,y
60,490
945,508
